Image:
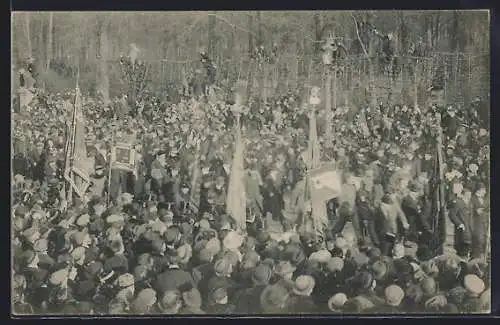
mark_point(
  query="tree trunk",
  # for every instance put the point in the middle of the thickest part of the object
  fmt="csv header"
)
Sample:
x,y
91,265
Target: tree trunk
x,y
103,51
428,29
28,33
49,41
250,35
317,32
262,65
435,34
211,35
454,32
260,40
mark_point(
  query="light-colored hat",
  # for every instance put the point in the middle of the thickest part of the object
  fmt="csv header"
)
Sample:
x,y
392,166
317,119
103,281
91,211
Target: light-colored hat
x,y
41,245
58,277
125,280
31,234
184,252
337,301
232,240
394,295
341,243
115,218
335,264
304,284
473,284
83,220
322,256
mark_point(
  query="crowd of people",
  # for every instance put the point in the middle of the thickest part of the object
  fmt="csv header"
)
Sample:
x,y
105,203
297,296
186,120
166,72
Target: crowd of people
x,y
158,240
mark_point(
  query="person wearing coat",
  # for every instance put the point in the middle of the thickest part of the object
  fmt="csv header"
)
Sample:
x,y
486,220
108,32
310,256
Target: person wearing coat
x,y
158,173
460,215
414,214
480,219
389,213
253,182
173,279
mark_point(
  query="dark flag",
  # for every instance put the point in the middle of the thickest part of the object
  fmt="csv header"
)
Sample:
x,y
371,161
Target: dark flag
x,y
438,199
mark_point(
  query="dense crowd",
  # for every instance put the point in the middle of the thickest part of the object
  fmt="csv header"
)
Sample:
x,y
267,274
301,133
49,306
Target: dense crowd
x,y
164,244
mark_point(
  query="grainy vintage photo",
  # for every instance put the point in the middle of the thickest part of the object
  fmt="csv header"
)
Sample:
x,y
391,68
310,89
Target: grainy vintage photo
x,y
250,163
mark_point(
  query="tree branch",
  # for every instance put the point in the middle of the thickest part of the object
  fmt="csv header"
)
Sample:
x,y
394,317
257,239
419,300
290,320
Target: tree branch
x,y
359,38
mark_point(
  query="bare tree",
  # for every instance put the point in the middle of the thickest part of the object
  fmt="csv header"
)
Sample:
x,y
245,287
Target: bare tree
x,y
103,26
50,34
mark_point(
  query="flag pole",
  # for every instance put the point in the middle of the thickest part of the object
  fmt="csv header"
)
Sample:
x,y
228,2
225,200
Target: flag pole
x,y
71,145
108,193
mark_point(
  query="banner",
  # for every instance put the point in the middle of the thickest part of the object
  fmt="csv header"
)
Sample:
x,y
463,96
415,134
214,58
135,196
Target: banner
x,y
78,165
326,182
236,194
123,157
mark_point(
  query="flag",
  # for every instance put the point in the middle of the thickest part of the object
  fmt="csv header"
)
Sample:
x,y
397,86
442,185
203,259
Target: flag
x,y
438,203
318,207
325,182
236,193
78,165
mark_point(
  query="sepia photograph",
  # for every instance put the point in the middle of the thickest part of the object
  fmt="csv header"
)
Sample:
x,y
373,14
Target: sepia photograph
x,y
249,163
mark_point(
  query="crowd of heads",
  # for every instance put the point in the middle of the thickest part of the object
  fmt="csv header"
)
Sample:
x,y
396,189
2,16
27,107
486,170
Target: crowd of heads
x,y
139,256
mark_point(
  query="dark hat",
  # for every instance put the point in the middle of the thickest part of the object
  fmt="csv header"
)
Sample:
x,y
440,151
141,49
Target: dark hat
x,y
387,199
379,270
192,298
219,293
413,186
429,286
28,256
273,296
424,253
363,280
92,270
263,237
172,234
261,274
